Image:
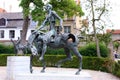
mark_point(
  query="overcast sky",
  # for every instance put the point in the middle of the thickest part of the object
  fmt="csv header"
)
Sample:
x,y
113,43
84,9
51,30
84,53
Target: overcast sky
x,y
115,13
13,6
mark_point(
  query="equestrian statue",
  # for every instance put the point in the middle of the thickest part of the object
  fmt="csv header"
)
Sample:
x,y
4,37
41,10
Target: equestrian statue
x,y
38,41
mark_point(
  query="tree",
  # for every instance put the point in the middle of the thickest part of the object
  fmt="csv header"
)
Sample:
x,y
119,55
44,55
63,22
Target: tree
x,y
116,45
62,7
106,38
97,12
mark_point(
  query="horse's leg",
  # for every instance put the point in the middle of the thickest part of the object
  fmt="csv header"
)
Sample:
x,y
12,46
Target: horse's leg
x,y
69,57
76,52
42,57
31,59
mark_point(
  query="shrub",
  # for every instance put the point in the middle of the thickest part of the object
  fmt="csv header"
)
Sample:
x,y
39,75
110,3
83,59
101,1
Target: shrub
x,y
94,63
116,69
90,50
6,49
3,59
51,51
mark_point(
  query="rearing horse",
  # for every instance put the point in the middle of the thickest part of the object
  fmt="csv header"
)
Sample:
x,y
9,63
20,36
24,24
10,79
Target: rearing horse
x,y
66,41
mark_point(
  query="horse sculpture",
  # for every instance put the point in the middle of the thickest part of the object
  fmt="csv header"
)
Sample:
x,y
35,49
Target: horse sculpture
x,y
66,41
38,41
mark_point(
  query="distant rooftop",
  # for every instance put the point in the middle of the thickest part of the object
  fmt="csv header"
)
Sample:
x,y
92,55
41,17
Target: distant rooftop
x,y
117,31
16,15
2,10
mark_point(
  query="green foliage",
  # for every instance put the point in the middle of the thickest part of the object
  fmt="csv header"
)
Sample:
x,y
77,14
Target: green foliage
x,y
90,50
116,45
6,49
67,7
106,38
25,5
116,69
3,59
55,52
94,63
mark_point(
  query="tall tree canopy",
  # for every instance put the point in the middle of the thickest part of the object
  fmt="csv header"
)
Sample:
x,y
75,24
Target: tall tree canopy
x,y
35,8
97,11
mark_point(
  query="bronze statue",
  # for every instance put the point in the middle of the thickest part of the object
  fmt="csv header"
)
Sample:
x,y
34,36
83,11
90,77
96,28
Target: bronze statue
x,y
38,41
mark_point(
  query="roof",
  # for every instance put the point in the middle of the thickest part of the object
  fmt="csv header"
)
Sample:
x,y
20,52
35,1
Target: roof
x,y
15,20
117,31
2,10
16,15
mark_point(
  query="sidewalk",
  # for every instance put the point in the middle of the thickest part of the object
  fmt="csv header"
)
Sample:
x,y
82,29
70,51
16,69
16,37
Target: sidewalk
x,y
96,75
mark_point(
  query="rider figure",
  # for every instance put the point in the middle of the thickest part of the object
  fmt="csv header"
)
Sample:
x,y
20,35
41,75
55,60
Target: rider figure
x,y
50,35
51,19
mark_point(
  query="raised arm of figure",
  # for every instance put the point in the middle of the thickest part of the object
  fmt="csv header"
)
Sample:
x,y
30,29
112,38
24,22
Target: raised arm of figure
x,y
41,26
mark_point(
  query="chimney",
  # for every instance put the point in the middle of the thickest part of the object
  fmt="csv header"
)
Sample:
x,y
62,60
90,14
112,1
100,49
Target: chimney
x,y
10,8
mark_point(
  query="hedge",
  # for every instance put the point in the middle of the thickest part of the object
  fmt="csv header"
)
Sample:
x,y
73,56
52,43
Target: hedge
x,y
90,50
93,63
116,69
6,49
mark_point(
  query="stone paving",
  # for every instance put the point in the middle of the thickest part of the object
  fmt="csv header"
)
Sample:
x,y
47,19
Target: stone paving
x,y
96,75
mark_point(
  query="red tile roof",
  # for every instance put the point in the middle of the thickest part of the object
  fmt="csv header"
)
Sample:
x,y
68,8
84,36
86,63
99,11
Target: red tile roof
x,y
2,10
117,31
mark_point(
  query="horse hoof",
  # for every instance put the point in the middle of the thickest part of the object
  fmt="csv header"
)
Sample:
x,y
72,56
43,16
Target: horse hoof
x,y
42,71
31,71
77,73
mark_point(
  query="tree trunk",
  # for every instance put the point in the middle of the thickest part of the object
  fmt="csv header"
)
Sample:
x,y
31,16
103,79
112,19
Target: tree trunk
x,y
24,33
111,50
24,30
96,40
94,28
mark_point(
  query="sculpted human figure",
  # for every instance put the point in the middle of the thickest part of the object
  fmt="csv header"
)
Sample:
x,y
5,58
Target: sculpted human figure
x,y
50,35
51,19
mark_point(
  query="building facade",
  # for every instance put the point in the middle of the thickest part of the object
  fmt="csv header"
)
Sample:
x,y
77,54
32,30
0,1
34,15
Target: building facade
x,y
11,26
115,34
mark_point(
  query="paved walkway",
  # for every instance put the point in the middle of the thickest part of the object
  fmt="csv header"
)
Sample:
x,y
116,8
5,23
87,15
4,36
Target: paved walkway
x,y
96,75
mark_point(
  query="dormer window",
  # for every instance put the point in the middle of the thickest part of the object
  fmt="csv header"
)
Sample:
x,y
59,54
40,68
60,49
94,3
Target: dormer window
x,y
2,22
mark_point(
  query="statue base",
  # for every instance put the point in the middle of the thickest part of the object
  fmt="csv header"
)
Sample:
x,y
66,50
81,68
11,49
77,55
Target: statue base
x,y
54,74
17,65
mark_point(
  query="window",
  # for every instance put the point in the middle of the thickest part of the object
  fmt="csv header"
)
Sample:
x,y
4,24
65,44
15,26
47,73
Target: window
x,y
1,33
67,29
2,22
12,34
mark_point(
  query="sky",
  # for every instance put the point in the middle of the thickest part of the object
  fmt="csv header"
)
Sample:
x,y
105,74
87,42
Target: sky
x,y
13,6
115,13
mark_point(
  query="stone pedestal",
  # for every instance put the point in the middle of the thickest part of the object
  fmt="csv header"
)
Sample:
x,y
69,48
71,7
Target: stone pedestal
x,y
17,65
